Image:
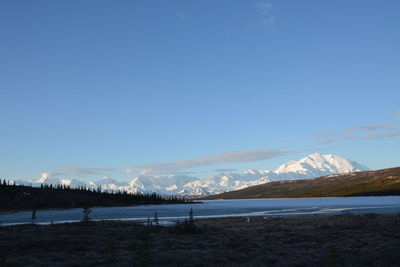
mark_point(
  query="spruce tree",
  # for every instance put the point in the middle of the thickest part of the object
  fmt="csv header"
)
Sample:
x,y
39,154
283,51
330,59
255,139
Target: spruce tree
x,y
86,211
191,216
155,220
33,217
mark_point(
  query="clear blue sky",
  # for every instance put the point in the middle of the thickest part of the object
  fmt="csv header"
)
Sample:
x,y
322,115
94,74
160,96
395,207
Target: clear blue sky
x,y
88,85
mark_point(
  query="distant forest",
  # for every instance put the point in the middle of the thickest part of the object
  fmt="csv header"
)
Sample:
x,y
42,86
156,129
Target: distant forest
x,y
19,197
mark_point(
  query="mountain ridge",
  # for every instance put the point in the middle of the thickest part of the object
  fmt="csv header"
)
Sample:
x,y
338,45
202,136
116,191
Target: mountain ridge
x,y
310,166
362,183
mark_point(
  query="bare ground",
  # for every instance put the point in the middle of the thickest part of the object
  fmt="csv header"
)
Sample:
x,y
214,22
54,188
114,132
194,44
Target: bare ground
x,y
335,240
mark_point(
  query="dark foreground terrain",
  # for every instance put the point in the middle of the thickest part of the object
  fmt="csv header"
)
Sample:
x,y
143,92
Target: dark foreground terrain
x,y
384,182
335,240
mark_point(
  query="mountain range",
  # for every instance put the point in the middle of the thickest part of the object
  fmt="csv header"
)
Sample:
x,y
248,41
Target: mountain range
x,y
314,165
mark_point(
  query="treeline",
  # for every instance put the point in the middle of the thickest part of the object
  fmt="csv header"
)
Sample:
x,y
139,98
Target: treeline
x,y
19,197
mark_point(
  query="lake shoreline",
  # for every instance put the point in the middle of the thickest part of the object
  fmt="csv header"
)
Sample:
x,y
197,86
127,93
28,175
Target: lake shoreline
x,y
61,208
170,213
316,240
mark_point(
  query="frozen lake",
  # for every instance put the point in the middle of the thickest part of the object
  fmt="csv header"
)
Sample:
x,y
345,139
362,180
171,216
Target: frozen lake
x,y
169,214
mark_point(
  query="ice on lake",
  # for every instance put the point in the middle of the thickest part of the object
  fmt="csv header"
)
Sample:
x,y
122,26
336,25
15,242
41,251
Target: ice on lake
x,y
170,213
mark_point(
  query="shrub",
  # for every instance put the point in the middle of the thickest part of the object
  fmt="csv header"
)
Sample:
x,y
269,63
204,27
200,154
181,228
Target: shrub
x,y
188,226
33,217
86,211
155,220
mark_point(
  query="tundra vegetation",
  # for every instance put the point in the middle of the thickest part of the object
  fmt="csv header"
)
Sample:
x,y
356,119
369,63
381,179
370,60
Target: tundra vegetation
x,y
320,240
366,183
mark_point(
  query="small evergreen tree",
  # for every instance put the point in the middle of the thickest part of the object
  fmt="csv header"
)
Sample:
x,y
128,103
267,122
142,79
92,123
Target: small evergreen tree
x,y
155,220
191,216
86,211
149,222
189,224
33,217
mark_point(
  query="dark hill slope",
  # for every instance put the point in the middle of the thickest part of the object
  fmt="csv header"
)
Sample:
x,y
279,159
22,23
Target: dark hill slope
x,y
366,183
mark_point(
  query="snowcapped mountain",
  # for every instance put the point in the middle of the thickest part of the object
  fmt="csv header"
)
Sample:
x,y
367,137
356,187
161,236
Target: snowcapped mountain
x,y
51,180
318,165
107,183
167,184
313,165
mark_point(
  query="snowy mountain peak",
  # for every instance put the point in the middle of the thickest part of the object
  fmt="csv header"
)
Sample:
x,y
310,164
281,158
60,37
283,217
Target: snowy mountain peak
x,y
106,180
45,179
311,166
319,165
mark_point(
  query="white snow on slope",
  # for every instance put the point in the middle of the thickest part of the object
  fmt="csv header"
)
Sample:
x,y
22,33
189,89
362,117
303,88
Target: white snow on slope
x,y
314,165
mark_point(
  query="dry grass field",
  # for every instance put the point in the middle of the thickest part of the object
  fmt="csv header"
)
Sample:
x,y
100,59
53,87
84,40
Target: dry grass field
x,y
335,240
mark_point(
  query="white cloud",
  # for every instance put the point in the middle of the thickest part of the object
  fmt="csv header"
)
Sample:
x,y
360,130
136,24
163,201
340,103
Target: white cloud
x,y
268,20
227,157
181,15
77,171
52,174
327,141
86,170
265,9
315,149
325,134
370,127
383,135
379,131
225,170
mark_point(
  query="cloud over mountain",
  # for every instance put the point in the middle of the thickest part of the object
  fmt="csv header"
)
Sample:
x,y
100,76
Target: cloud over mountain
x,y
227,157
313,165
